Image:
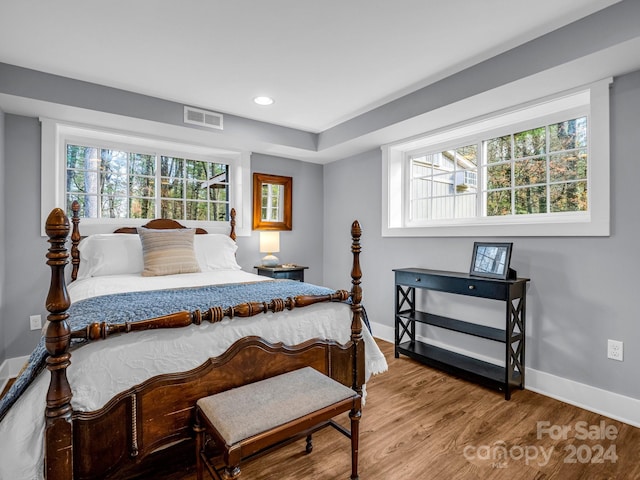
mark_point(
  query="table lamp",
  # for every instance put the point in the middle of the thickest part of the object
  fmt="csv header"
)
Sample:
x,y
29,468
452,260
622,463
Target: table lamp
x,y
269,244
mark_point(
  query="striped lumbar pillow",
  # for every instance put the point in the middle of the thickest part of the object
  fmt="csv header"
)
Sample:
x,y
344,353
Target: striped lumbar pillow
x,y
167,252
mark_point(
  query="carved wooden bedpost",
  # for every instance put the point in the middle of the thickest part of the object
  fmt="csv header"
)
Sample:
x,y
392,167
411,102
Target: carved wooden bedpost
x,y
358,344
75,240
58,437
232,233
356,307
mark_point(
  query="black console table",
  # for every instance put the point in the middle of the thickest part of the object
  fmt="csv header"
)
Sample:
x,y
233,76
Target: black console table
x,y
511,292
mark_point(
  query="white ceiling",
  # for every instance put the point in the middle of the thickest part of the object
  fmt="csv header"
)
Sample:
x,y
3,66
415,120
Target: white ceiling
x,y
324,61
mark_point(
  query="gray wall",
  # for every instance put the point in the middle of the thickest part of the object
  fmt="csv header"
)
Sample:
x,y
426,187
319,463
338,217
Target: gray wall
x,y
3,206
26,273
303,244
581,291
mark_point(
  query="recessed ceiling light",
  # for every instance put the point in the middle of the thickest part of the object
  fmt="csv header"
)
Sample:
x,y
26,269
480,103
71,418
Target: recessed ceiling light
x,y
263,100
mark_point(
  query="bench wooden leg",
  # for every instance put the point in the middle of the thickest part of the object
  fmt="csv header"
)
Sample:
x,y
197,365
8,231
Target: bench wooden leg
x,y
355,416
199,431
231,473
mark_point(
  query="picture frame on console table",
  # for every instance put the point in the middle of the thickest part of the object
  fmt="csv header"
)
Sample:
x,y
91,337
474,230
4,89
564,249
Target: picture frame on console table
x,y
492,260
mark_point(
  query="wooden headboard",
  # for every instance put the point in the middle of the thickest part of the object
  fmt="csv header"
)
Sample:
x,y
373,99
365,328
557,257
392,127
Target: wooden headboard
x,y
157,224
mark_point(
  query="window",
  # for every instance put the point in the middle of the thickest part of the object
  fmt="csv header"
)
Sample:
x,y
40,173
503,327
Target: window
x,y
122,179
114,183
538,171
541,169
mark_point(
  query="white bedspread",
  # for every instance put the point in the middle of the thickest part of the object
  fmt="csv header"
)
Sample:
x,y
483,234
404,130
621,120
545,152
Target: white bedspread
x,y
135,357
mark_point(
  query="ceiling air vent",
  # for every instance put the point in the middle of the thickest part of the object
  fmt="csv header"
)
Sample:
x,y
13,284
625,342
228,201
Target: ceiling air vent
x,y
203,118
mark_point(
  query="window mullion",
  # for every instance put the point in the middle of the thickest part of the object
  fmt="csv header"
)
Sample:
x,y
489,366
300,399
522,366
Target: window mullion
x,y
481,179
512,165
208,202
184,188
128,177
158,190
99,185
546,163
455,181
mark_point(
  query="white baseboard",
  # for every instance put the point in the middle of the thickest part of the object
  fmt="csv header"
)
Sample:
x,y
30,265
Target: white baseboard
x,y
602,402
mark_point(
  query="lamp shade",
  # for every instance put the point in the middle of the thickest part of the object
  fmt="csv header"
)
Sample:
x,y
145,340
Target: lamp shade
x,y
269,242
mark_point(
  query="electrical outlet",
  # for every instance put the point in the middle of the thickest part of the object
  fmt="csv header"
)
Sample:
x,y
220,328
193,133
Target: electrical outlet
x,y
35,321
614,350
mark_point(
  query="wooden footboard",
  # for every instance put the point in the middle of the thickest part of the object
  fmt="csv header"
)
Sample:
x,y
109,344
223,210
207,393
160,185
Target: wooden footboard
x,y
112,441
159,412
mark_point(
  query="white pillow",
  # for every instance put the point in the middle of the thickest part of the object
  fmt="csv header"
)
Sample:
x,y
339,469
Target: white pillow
x,y
168,251
110,254
215,251
121,254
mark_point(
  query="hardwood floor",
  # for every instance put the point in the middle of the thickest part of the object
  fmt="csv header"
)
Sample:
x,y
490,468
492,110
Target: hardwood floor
x,y
419,423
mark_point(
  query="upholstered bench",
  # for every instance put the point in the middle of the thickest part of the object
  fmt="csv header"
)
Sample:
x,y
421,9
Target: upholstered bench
x,y
260,416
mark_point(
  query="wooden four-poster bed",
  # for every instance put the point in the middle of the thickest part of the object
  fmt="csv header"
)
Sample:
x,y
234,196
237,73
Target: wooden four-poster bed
x,y
112,441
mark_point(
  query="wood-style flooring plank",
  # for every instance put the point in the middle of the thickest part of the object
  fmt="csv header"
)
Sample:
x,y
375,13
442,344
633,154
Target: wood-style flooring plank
x,y
419,423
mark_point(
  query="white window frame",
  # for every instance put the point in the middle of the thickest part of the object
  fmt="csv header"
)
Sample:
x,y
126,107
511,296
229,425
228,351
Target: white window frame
x,y
591,100
56,134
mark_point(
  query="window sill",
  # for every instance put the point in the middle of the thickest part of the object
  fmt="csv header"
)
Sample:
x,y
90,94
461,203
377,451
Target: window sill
x,y
567,226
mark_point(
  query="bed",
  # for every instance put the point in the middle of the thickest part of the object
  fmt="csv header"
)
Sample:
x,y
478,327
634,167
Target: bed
x,y
109,406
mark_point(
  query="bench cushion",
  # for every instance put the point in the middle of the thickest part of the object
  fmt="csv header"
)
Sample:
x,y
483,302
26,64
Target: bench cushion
x,y
251,409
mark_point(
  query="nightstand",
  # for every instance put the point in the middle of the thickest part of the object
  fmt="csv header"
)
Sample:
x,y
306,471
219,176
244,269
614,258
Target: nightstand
x,y
295,272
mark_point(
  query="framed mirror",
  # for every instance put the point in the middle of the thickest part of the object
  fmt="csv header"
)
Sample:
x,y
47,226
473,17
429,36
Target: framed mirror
x,y
272,202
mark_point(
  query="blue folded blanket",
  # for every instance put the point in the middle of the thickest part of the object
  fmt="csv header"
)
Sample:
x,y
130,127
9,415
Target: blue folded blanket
x,y
137,306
